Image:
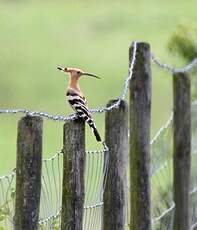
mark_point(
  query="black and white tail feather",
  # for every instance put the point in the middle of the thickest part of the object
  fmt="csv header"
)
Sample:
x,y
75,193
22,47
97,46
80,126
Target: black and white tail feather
x,y
78,103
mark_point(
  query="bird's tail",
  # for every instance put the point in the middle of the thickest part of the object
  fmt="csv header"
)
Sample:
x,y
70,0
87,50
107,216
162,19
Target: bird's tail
x,y
94,130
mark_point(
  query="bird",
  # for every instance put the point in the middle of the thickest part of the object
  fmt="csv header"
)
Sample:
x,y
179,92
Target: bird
x,y
77,99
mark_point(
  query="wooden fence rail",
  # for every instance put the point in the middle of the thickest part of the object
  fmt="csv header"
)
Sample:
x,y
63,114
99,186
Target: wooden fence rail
x,y
29,159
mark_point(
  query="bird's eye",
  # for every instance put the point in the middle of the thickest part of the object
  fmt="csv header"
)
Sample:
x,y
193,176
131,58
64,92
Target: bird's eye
x,y
78,72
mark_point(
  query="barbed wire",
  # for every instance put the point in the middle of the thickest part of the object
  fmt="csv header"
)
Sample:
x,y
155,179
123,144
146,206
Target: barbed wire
x,y
50,217
173,69
94,205
126,84
96,193
116,104
54,217
74,116
39,113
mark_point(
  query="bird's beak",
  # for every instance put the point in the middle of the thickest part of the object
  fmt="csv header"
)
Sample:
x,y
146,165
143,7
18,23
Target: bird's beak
x,y
91,75
61,69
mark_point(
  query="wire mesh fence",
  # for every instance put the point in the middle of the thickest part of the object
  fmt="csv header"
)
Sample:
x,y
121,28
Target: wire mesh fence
x,y
95,176
7,197
51,192
96,172
162,176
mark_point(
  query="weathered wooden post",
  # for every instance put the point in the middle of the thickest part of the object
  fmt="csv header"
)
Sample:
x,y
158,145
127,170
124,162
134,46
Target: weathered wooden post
x,y
116,136
28,173
140,114
73,175
182,149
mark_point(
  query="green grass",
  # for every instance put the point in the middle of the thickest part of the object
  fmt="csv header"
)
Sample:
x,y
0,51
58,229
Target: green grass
x,y
38,36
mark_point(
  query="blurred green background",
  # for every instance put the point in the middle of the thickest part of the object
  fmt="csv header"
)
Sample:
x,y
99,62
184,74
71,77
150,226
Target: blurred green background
x,y
37,36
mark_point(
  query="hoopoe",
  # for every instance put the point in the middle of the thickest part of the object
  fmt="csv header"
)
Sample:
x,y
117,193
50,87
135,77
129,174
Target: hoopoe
x,y
76,98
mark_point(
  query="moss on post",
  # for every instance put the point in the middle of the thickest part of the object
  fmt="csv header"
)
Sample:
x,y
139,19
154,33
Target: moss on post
x,y
116,135
28,173
182,149
140,113
73,175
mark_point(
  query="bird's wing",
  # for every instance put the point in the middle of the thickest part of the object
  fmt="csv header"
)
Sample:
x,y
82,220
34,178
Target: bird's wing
x,y
79,105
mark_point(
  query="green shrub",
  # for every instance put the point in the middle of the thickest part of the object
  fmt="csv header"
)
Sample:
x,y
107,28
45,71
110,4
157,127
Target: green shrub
x,y
184,42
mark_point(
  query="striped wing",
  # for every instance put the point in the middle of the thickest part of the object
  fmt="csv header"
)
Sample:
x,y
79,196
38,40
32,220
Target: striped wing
x,y
79,105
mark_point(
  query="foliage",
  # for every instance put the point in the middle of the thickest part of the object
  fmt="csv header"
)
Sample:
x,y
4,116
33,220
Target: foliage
x,y
5,211
184,42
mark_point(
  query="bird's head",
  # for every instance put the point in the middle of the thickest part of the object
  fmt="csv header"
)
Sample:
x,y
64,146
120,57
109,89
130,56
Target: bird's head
x,y
75,72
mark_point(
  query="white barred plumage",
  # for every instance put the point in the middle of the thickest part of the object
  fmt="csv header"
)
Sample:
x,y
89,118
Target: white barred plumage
x,y
79,105
77,100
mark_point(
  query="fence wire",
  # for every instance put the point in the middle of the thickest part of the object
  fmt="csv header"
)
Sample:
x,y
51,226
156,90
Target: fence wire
x,y
122,96
73,116
172,69
161,171
96,168
162,175
7,197
96,171
95,176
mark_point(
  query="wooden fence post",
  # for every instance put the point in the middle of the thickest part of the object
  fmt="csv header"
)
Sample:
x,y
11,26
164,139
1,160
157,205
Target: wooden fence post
x,y
116,135
28,173
182,149
140,113
73,175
